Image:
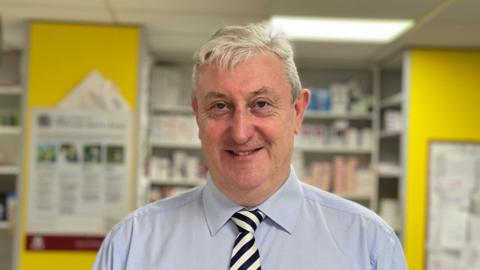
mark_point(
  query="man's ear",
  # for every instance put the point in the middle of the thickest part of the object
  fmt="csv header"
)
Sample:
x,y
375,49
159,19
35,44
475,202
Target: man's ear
x,y
195,112
301,105
194,105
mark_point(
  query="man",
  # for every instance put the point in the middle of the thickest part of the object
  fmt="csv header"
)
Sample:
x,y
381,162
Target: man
x,y
253,212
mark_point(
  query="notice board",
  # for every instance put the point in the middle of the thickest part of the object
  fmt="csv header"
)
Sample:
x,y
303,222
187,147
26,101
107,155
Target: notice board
x,y
453,227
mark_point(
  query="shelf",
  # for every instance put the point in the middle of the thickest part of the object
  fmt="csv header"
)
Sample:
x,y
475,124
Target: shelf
x,y
10,130
9,170
4,225
392,101
10,90
340,116
330,149
173,110
389,174
355,197
389,170
174,145
390,133
178,182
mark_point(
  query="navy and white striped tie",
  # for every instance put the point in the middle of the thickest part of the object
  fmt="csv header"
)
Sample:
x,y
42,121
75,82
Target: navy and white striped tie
x,y
245,255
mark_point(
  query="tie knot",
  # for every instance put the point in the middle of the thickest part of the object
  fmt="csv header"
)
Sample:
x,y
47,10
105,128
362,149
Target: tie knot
x,y
248,221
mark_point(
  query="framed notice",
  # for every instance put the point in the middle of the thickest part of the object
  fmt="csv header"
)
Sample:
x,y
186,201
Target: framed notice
x,y
79,177
453,226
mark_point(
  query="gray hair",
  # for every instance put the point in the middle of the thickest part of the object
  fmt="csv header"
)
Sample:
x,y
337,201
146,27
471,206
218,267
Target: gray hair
x,y
232,45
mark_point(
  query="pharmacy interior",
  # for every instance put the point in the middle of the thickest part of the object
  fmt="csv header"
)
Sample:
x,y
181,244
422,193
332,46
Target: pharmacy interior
x,y
95,117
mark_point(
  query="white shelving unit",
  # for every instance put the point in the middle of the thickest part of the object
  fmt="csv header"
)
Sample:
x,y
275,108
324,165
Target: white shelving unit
x,y
169,101
390,145
332,150
390,133
307,152
12,170
12,90
6,130
337,116
4,225
395,100
172,110
192,145
356,196
11,99
178,182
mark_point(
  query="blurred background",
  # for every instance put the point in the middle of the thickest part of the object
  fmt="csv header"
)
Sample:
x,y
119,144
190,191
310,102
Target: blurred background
x,y
95,116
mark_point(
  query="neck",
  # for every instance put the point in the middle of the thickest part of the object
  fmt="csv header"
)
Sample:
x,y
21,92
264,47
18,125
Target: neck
x,y
250,197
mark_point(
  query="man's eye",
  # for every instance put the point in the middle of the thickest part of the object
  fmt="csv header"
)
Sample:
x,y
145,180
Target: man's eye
x,y
220,106
262,104
261,108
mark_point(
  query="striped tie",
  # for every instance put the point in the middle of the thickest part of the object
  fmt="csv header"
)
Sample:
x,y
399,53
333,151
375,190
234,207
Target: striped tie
x,y
245,253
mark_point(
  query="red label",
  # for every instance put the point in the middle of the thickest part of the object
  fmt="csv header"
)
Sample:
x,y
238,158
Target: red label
x,y
50,242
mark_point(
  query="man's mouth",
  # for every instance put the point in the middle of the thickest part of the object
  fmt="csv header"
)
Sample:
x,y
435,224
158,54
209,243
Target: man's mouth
x,y
242,153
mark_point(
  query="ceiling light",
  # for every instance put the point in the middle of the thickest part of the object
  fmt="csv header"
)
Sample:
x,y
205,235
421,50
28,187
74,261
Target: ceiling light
x,y
340,29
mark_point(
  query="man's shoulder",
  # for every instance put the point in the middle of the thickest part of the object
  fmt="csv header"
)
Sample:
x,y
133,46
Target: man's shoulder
x,y
335,207
163,209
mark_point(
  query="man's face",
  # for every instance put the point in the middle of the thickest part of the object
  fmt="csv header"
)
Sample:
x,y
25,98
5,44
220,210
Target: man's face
x,y
247,122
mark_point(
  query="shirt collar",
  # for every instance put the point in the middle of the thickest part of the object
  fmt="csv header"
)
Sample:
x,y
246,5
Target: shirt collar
x,y
282,207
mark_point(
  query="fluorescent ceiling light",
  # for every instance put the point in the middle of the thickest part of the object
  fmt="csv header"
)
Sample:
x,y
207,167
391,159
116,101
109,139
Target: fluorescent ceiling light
x,y
340,29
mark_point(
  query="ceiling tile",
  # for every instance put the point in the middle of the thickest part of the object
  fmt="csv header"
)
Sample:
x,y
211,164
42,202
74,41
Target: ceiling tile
x,y
53,3
29,12
175,28
332,51
174,47
165,23
14,33
211,7
446,35
354,8
461,11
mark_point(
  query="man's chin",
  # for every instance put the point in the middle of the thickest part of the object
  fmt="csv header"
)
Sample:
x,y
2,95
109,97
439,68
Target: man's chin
x,y
246,180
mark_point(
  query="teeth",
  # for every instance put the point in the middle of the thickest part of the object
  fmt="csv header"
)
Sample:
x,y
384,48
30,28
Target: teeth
x,y
242,153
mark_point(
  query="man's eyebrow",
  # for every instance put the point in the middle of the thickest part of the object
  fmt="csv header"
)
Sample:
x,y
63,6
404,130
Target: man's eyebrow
x,y
264,91
261,91
214,94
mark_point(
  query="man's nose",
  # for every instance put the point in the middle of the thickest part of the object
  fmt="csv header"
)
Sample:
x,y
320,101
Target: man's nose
x,y
242,128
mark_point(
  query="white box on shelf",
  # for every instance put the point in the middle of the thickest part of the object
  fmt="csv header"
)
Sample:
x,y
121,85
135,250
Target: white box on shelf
x,y
366,138
166,87
392,120
364,181
340,97
390,212
160,168
352,138
192,167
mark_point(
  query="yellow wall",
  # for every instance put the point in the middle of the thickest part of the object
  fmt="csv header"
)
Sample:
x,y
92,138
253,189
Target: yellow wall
x,y
59,56
444,103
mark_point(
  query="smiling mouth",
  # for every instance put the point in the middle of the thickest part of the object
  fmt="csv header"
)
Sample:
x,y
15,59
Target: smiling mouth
x,y
244,153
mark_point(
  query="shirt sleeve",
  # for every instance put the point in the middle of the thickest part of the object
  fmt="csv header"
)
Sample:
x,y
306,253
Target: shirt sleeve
x,y
111,256
391,257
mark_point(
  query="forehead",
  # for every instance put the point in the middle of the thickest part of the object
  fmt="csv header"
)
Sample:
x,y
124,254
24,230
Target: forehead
x,y
262,71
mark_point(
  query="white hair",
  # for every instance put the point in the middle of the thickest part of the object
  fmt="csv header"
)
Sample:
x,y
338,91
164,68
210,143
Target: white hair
x,y
232,45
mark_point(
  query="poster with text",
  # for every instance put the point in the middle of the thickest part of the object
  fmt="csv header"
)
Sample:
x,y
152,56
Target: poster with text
x,y
79,177
453,206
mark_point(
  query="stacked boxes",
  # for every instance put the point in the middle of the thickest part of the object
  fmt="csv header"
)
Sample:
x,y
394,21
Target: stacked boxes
x,y
180,167
392,120
337,134
343,176
341,98
174,129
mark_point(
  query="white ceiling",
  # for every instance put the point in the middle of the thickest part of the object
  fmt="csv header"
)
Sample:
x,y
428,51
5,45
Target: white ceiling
x,y
175,28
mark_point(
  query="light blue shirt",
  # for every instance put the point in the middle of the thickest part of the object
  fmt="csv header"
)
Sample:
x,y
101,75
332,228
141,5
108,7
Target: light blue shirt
x,y
306,228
